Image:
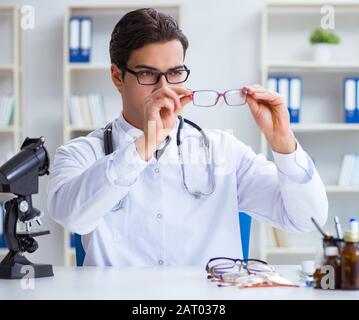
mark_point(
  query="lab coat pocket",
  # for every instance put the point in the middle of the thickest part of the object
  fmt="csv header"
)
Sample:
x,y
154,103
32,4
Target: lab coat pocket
x,y
117,221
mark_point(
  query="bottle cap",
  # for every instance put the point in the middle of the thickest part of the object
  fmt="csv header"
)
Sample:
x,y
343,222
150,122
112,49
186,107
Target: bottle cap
x,y
331,251
354,227
350,236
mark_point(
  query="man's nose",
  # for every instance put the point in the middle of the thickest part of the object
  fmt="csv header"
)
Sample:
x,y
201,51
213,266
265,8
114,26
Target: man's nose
x,y
162,82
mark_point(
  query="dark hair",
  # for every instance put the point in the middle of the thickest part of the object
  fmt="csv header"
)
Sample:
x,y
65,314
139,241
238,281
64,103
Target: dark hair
x,y
140,27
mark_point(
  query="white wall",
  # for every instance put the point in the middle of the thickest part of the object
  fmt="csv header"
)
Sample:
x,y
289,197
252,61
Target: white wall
x,y
224,42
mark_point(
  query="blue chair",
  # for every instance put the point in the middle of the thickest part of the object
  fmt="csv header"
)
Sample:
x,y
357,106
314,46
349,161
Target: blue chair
x,y
245,230
80,252
245,222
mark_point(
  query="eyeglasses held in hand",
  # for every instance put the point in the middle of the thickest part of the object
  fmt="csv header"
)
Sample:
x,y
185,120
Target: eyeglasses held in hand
x,y
244,273
209,98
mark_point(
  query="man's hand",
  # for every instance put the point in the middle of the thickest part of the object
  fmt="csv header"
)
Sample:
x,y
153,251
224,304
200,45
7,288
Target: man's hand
x,y
272,117
161,110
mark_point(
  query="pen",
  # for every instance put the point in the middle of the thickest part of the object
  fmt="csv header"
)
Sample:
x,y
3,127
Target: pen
x,y
338,228
325,234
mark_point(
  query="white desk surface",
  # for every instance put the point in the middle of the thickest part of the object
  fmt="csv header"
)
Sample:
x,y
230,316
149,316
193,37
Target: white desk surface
x,y
167,283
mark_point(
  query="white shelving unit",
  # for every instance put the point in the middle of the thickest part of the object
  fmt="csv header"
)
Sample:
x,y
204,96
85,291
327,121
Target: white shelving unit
x,y
286,51
10,73
95,77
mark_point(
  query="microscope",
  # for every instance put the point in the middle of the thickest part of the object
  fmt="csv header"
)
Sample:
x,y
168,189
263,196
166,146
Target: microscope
x,y
19,176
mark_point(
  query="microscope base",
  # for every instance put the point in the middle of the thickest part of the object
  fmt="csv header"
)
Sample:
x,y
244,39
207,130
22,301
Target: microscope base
x,y
16,266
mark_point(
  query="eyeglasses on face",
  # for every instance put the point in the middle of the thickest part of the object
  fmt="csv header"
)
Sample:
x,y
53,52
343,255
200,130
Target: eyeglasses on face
x,y
149,77
209,98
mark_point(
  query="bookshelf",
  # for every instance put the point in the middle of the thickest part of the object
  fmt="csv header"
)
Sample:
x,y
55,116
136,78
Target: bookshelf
x,y
10,74
286,51
95,76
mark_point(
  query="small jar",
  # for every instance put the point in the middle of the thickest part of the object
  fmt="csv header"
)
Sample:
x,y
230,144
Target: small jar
x,y
332,259
350,261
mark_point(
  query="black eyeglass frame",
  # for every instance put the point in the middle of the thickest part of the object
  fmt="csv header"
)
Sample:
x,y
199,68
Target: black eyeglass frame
x,y
159,75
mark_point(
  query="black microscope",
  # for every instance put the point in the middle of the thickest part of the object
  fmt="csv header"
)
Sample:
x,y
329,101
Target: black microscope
x,y
19,176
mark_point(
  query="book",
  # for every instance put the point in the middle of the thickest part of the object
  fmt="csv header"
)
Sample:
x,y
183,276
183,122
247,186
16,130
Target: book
x,y
87,110
349,175
7,103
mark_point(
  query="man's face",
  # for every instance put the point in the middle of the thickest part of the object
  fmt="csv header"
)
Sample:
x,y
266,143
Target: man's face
x,y
154,56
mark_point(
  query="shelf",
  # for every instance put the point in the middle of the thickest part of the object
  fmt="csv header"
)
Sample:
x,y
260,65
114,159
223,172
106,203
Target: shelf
x,y
291,250
10,129
313,66
6,7
122,6
309,127
286,51
7,67
341,189
88,66
310,4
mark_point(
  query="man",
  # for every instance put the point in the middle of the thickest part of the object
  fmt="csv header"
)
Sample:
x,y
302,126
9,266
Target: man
x,y
135,206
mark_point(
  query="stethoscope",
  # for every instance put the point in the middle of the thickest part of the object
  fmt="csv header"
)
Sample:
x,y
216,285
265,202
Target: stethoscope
x,y
206,143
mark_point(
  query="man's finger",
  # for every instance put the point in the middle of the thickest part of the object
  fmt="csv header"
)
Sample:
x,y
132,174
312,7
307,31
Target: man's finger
x,y
183,102
167,92
253,105
268,96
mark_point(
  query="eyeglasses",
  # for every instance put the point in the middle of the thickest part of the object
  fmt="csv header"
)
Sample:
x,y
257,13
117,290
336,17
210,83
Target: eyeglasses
x,y
221,265
209,98
244,273
150,77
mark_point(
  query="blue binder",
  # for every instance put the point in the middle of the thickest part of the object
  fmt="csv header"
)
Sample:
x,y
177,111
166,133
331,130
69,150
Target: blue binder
x,y
295,98
293,94
85,39
350,100
74,39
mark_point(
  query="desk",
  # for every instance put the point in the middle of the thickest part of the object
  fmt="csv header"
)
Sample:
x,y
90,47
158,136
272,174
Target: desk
x,y
167,283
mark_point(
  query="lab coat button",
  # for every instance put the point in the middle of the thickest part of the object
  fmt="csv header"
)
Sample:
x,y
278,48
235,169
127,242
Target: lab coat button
x,y
160,262
157,170
159,216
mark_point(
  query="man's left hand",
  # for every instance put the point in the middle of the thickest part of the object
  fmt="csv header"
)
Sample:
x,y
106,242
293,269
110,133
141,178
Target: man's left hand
x,y
272,117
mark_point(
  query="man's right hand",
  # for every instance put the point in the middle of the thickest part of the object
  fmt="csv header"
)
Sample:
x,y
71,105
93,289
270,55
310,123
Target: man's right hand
x,y
161,110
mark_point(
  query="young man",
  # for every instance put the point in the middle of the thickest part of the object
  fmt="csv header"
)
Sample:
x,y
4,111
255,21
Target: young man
x,y
134,207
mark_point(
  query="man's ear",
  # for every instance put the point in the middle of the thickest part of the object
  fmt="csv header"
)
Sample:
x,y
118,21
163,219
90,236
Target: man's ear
x,y
117,79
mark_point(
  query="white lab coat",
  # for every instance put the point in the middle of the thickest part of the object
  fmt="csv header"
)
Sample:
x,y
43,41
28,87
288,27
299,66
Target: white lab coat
x,y
131,212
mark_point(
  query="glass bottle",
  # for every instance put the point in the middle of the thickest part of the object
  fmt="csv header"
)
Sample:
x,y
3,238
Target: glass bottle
x,y
350,258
